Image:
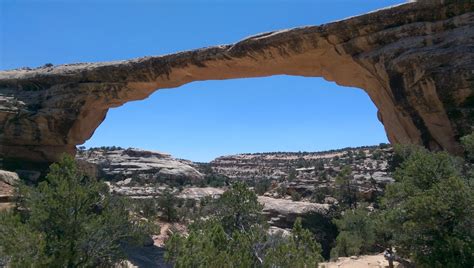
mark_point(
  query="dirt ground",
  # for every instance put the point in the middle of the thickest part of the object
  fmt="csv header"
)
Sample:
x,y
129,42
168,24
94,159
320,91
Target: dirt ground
x,y
365,261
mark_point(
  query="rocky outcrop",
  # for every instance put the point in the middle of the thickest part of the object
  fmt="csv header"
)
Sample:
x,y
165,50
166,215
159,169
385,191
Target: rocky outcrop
x,y
311,174
201,192
8,182
282,213
415,61
136,166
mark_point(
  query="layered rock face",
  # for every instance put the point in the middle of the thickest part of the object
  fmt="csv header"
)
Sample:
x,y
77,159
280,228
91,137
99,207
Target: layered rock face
x,y
135,166
415,61
311,174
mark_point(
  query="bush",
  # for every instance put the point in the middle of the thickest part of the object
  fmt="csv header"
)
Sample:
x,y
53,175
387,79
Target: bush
x,y
346,190
282,190
292,174
295,196
356,233
262,186
68,220
426,215
429,211
468,143
238,208
208,245
167,203
234,234
298,250
323,229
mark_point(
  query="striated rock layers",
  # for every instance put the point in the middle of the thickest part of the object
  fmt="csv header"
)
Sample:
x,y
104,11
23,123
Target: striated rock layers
x,y
136,166
415,61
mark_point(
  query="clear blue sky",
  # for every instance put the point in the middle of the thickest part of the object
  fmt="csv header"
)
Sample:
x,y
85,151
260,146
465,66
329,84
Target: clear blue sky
x,y
201,120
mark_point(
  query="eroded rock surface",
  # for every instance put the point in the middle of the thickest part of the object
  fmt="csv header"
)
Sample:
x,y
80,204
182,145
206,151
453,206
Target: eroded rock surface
x,y
283,213
8,181
136,166
311,174
415,61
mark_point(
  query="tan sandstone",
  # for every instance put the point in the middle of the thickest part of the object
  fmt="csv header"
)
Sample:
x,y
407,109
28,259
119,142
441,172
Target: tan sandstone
x,y
415,61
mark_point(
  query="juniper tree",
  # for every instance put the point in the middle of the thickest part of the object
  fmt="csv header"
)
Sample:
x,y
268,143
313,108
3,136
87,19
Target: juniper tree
x,y
68,220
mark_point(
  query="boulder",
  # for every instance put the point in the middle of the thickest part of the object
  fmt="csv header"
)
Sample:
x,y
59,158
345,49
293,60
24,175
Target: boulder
x,y
282,213
8,181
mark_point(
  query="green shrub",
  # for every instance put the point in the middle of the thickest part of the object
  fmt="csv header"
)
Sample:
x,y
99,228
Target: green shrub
x,y
295,196
234,234
356,233
68,220
167,203
430,209
262,186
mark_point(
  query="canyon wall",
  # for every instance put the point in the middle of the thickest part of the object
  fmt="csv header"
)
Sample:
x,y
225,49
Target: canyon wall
x,y
415,61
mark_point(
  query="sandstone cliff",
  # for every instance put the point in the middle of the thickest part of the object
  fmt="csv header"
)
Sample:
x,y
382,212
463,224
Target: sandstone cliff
x,y
415,61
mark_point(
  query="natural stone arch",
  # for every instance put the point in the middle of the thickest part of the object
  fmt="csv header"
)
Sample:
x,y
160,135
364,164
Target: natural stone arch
x,y
415,61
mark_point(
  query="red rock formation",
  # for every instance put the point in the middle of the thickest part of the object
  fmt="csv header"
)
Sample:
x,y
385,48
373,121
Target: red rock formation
x,y
416,62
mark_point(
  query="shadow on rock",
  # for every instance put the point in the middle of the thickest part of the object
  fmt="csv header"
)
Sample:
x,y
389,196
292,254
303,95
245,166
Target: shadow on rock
x,y
145,257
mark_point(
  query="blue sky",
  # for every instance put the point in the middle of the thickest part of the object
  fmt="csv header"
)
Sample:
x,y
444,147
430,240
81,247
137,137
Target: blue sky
x,y
201,120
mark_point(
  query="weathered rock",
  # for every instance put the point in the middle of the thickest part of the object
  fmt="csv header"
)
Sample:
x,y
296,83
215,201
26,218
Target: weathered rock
x,y
10,178
414,60
283,213
140,166
8,181
197,193
313,173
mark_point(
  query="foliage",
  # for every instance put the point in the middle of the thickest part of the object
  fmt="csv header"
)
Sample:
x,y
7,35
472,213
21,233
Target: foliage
x,y
20,245
401,153
234,235
319,165
167,203
282,190
215,180
347,244
299,250
295,196
210,246
346,191
68,220
384,145
211,178
428,213
377,154
361,155
262,186
292,174
322,228
468,143
356,233
238,208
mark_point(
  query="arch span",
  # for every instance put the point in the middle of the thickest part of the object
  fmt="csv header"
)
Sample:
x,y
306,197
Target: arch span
x,y
415,61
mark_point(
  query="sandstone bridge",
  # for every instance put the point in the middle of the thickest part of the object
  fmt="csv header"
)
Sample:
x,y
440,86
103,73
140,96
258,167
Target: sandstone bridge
x,y
415,61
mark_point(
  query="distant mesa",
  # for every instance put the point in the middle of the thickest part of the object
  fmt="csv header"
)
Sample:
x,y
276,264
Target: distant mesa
x,y
415,61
